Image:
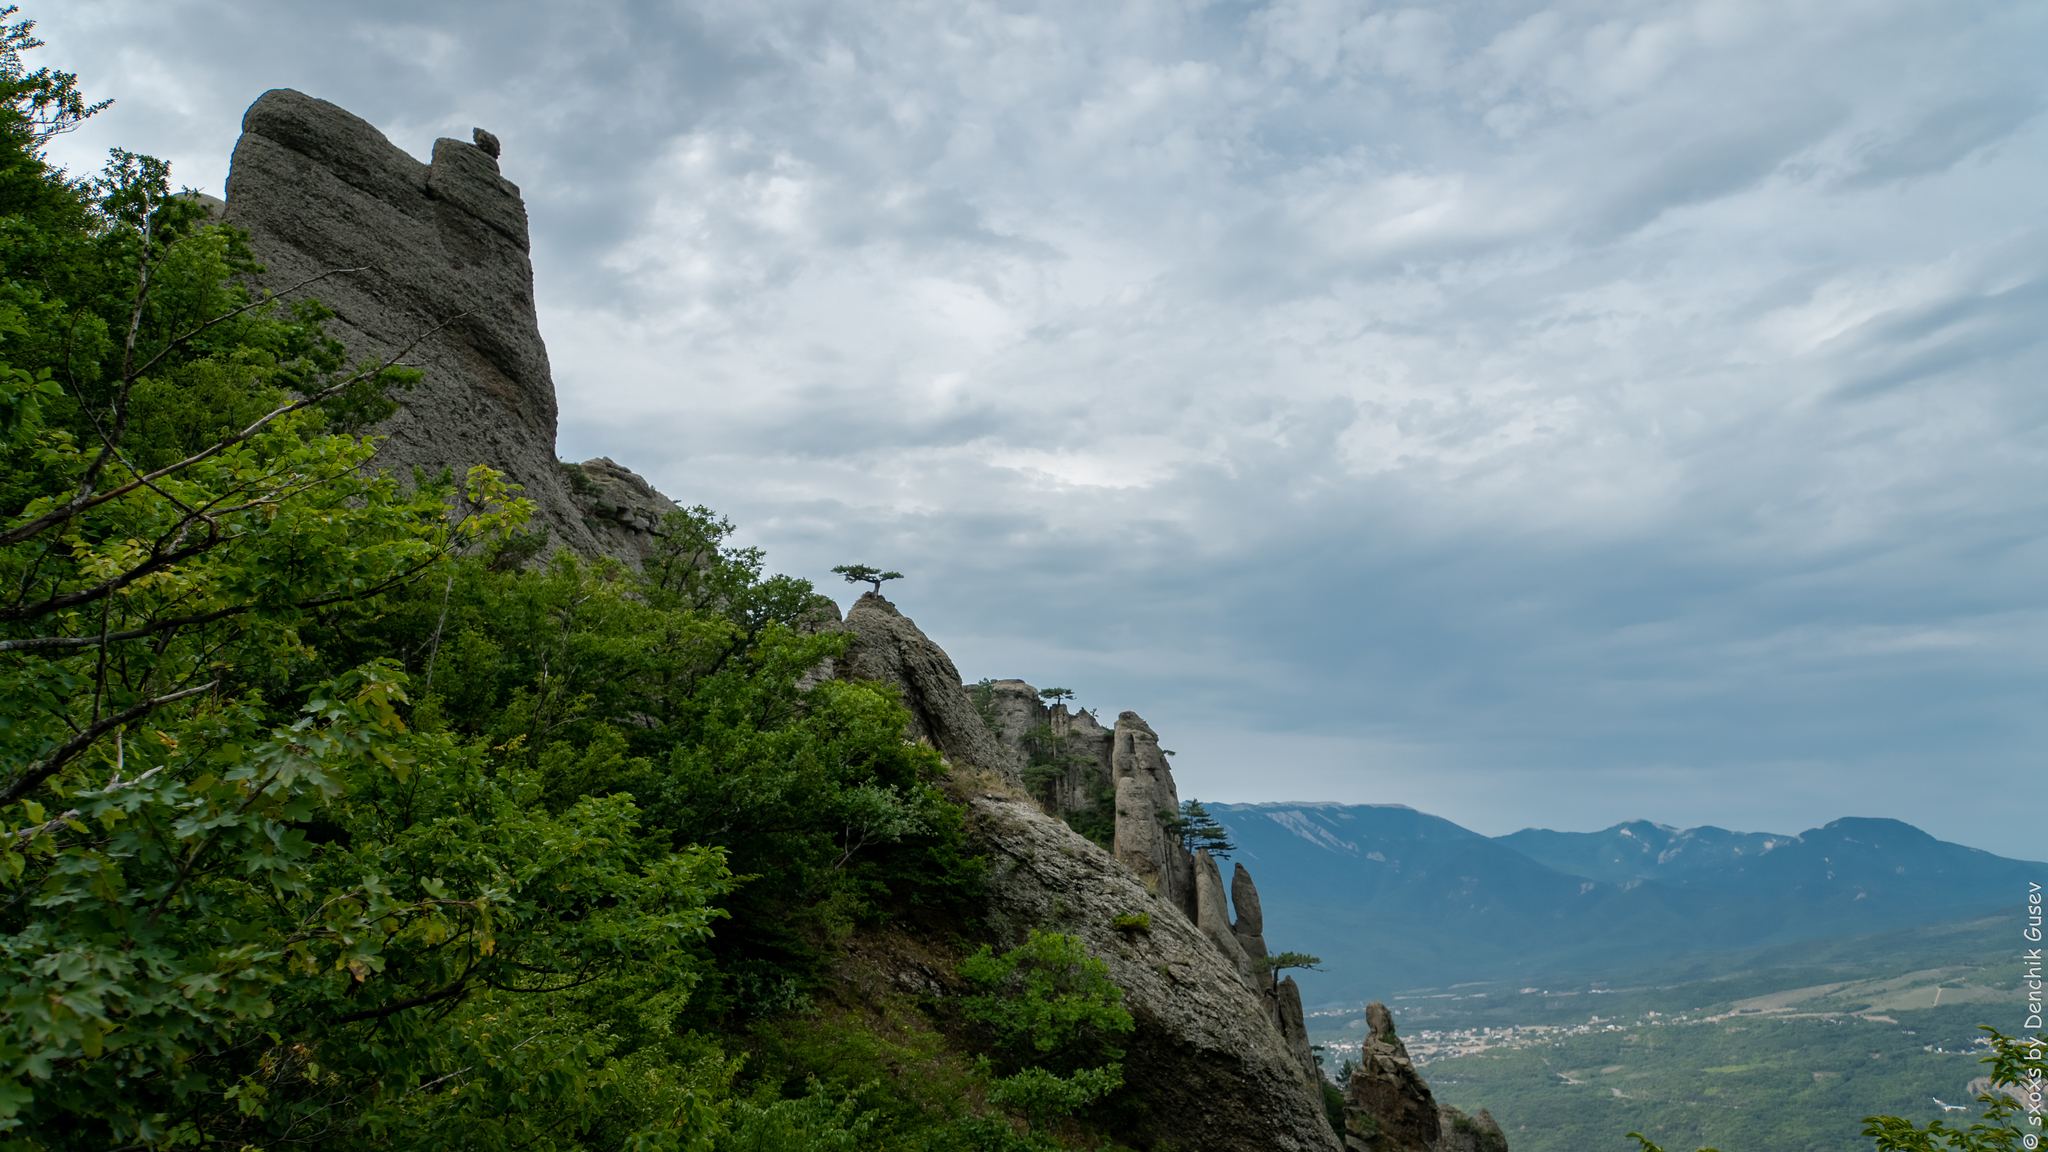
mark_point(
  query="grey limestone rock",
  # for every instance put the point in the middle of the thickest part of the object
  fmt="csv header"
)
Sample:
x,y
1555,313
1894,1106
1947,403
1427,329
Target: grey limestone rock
x,y
1017,712
487,142
1462,1133
1286,997
620,510
437,274
1211,1065
1244,897
888,646
1388,1107
1212,913
1144,790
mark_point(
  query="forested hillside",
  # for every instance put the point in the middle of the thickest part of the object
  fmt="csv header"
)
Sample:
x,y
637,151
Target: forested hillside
x,y
336,815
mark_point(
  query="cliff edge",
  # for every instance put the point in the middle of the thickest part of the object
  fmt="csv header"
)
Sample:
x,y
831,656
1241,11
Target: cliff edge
x,y
429,263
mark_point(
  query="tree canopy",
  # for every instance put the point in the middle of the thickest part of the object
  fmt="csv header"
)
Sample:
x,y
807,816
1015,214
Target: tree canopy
x,y
863,574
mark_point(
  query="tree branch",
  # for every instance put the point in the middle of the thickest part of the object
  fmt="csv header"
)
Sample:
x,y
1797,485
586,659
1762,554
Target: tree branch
x,y
87,499
455,989
68,751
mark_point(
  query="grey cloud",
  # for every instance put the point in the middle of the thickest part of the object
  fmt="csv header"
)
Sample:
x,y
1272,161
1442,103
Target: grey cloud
x,y
1542,413
1944,137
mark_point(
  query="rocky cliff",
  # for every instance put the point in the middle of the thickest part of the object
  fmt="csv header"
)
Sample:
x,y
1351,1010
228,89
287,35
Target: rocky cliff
x,y
428,263
1215,1072
1218,1039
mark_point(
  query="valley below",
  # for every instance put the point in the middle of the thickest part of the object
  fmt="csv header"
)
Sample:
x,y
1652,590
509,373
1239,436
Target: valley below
x,y
1784,1048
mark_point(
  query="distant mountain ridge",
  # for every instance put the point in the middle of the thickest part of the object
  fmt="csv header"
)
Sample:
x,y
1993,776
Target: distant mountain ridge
x,y
1641,850
1394,898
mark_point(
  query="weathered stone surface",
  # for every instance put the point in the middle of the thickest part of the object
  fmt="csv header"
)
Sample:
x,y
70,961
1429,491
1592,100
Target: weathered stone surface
x,y
1144,790
1286,997
888,647
1462,1133
441,250
621,511
1016,712
1215,1074
1244,897
1389,1108
1212,913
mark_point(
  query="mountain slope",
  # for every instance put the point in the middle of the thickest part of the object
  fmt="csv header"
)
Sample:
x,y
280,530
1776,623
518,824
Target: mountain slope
x,y
1394,898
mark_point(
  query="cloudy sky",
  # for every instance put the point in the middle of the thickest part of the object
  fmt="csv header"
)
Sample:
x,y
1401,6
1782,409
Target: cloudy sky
x,y
1540,414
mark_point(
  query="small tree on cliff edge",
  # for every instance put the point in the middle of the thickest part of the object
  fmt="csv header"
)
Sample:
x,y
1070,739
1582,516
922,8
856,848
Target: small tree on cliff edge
x,y
862,574
1198,830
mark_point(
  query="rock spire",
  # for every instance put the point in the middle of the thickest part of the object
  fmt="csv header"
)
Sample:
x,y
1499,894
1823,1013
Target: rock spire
x,y
430,264
1388,1107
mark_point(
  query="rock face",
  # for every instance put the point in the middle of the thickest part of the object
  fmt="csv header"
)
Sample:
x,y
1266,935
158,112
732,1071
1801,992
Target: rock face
x,y
1216,1074
887,646
1069,764
1144,791
1462,1133
440,251
1389,1108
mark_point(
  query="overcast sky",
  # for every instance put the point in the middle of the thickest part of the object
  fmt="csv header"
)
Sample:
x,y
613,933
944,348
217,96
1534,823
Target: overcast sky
x,y
1537,414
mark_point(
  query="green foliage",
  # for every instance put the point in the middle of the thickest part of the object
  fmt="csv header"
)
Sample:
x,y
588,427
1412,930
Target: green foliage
x,y
2015,1063
1044,1096
1284,960
1132,922
1046,1002
862,574
1197,830
1053,1016
39,104
813,1122
1333,1106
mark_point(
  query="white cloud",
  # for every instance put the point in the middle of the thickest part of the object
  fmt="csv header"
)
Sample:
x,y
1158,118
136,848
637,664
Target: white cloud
x,y
1576,404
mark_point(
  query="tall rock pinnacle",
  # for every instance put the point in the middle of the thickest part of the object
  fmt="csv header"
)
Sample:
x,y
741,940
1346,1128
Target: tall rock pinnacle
x,y
440,257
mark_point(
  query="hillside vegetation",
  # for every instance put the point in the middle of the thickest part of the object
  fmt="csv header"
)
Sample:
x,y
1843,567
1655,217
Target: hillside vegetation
x,y
335,816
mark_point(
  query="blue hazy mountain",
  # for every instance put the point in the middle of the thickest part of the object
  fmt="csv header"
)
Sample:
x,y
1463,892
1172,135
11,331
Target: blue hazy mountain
x,y
1392,898
1640,850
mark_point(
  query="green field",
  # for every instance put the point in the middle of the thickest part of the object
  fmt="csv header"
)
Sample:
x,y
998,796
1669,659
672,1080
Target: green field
x,y
1782,1085
1772,1050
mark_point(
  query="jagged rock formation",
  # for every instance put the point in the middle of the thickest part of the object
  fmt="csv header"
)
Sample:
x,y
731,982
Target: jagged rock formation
x,y
429,263
1462,1133
1224,1013
1144,793
1215,1072
439,253
887,646
1069,762
1388,1107
620,510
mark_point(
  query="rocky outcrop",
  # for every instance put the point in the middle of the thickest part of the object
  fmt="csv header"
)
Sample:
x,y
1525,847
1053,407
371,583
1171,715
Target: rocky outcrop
x,y
1388,1107
1212,915
1462,1133
429,264
621,511
1145,798
887,646
1215,1073
1066,752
